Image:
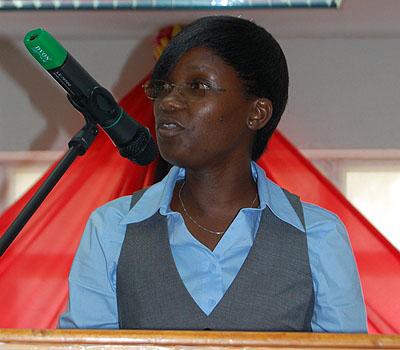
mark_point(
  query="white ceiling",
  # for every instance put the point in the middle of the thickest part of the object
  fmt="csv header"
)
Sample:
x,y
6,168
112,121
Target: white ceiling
x,y
356,18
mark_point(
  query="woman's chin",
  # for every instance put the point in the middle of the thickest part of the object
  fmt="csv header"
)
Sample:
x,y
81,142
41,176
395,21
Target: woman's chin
x,y
181,160
173,158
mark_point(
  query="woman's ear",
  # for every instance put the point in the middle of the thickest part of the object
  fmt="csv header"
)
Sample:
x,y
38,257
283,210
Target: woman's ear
x,y
260,115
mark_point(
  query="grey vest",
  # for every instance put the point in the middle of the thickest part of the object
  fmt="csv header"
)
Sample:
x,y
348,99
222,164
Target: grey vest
x,y
273,290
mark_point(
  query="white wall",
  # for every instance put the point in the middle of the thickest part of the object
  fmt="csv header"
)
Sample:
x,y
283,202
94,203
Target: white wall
x,y
345,93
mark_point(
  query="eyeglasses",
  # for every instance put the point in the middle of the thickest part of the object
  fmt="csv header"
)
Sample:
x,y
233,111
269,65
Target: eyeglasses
x,y
193,90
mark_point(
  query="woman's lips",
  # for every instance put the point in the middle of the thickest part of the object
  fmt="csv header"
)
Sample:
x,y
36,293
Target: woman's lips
x,y
169,128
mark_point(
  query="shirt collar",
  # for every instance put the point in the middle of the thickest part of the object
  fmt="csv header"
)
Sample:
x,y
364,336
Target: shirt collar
x,y
274,197
158,197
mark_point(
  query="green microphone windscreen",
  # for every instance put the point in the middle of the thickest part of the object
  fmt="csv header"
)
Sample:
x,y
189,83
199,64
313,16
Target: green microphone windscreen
x,y
46,50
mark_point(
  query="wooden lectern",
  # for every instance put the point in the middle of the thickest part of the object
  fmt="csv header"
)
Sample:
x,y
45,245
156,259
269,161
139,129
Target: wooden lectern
x,y
23,339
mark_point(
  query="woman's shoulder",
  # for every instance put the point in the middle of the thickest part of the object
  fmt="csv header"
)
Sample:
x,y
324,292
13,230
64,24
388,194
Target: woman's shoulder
x,y
116,207
325,230
120,205
315,214
107,221
126,209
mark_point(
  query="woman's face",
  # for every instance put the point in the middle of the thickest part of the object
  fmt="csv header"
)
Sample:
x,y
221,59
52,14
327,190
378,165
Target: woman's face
x,y
199,132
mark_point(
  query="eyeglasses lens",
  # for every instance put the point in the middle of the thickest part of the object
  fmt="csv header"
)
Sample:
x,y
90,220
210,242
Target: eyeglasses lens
x,y
156,89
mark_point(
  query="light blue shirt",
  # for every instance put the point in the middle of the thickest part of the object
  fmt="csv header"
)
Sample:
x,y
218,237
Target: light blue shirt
x,y
207,274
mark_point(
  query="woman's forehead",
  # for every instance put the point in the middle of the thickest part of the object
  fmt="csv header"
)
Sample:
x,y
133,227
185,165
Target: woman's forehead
x,y
202,60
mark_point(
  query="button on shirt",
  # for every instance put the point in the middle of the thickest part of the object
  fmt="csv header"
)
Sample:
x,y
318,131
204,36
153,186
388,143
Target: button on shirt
x,y
207,274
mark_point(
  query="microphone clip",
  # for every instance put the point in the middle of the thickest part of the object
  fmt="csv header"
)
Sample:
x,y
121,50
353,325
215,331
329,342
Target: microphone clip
x,y
99,108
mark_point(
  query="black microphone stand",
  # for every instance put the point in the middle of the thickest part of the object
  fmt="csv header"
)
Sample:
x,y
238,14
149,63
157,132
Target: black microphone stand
x,y
78,146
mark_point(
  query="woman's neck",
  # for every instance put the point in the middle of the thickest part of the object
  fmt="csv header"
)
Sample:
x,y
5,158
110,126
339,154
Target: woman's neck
x,y
220,186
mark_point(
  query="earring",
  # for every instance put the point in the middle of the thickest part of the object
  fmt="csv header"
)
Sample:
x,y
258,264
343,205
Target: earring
x,y
251,123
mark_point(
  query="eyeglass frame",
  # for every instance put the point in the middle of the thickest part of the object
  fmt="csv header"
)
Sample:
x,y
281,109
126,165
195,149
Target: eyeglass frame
x,y
180,87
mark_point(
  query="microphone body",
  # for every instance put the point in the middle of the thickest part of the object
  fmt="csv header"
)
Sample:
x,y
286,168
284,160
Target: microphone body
x,y
133,140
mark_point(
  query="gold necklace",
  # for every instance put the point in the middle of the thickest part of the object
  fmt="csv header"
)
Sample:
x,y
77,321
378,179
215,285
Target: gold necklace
x,y
195,222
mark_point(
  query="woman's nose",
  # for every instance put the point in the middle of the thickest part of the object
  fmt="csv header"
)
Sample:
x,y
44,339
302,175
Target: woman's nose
x,y
172,102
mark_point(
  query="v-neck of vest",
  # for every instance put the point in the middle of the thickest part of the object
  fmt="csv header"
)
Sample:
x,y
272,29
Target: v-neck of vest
x,y
261,233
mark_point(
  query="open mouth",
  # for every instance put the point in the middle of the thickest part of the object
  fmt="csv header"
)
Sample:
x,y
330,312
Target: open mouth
x,y
169,128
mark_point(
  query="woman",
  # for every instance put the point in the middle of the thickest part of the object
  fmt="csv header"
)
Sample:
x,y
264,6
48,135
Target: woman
x,y
215,244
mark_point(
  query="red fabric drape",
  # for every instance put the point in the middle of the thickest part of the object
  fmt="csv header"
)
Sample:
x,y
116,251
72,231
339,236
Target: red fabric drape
x,y
33,272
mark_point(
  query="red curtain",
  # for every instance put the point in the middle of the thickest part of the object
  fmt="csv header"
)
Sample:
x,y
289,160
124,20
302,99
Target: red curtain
x,y
34,270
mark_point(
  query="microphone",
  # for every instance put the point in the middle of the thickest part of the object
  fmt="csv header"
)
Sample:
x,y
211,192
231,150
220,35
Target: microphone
x,y
133,140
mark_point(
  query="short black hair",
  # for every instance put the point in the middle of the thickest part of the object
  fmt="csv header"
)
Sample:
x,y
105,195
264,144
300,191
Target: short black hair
x,y
253,52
